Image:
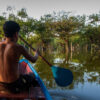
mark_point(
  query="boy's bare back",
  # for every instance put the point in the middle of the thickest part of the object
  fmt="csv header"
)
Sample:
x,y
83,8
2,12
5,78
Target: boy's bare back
x,y
10,53
9,57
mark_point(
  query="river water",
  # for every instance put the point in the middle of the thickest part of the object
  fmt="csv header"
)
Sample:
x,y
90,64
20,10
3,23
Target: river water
x,y
86,71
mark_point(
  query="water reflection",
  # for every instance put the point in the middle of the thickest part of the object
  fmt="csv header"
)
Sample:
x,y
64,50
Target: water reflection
x,y
86,71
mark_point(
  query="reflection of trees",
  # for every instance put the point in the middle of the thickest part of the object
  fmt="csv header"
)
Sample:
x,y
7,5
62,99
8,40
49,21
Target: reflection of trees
x,y
89,66
44,70
86,70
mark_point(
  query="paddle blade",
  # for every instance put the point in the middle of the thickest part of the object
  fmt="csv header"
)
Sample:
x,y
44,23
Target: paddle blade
x,y
63,77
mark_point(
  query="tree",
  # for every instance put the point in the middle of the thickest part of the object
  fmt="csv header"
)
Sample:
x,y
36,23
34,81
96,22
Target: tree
x,y
43,28
22,13
2,20
66,26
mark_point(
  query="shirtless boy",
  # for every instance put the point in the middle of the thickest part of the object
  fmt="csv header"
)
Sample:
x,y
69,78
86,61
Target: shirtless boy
x,y
10,52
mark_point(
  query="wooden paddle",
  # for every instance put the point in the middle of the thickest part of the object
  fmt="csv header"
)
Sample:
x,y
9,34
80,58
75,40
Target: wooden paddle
x,y
62,76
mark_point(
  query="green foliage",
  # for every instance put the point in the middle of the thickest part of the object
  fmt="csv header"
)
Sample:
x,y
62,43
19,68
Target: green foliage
x,y
56,28
67,25
22,13
2,20
43,29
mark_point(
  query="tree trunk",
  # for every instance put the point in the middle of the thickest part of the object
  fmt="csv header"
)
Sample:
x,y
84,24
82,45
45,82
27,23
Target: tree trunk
x,y
66,46
67,50
71,50
86,47
71,47
91,49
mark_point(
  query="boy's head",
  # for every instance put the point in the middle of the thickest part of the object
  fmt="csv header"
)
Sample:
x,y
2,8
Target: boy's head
x,y
10,28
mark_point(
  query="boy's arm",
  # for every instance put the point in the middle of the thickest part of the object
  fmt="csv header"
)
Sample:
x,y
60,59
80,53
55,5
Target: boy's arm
x,y
25,53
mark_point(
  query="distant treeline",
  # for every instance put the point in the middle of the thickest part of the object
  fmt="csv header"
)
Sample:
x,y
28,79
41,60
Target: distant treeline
x,y
61,30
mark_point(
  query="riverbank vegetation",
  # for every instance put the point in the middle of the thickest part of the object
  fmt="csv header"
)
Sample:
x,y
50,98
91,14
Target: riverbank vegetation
x,y
62,30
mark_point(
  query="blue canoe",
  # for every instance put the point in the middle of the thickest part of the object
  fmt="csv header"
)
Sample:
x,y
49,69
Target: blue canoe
x,y
39,92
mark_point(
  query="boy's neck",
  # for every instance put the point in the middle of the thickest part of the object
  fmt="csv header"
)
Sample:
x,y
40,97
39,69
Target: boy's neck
x,y
9,40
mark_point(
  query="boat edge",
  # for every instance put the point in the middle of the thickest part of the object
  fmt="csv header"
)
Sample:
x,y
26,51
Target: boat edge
x,y
43,87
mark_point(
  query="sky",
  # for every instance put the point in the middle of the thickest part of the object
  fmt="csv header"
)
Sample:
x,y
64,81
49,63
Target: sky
x,y
37,8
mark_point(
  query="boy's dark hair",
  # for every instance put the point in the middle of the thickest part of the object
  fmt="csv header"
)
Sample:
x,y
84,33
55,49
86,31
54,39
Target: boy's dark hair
x,y
10,28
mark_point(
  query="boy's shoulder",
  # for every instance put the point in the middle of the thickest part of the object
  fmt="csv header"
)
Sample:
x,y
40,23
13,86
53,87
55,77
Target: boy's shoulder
x,y
2,44
15,45
11,45
20,46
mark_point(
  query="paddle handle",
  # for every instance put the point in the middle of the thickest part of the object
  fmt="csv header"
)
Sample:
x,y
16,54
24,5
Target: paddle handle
x,y
35,50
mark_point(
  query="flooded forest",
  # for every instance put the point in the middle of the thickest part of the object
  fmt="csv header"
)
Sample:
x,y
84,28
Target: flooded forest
x,y
66,40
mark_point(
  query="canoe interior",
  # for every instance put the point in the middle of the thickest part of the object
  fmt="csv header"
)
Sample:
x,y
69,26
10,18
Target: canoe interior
x,y
34,93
